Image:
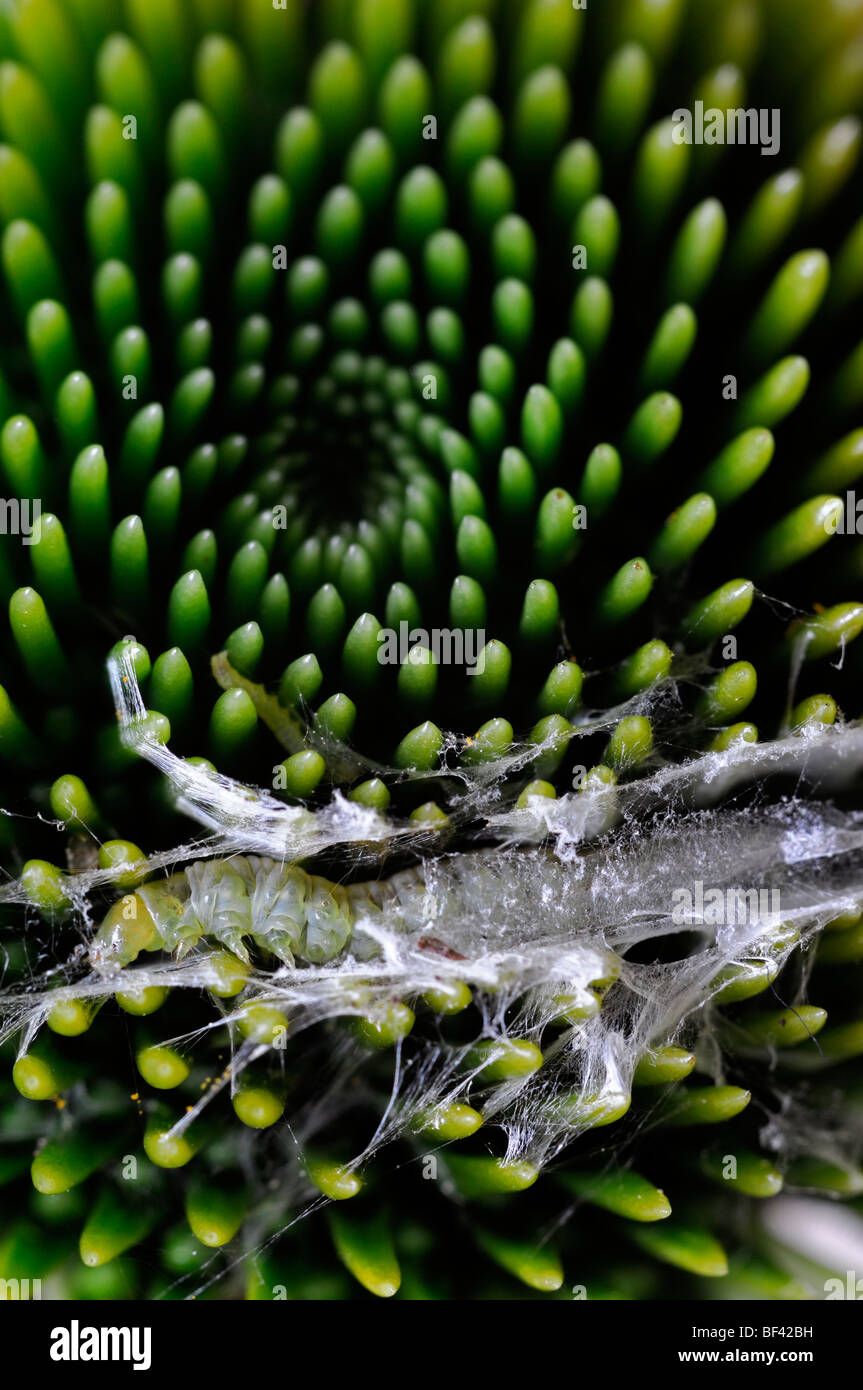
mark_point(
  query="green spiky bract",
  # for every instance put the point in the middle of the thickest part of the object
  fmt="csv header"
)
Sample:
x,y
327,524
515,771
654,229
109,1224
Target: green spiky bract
x,y
321,320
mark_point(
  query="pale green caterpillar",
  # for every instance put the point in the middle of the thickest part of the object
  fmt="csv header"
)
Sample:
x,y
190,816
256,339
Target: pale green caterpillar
x,y
294,915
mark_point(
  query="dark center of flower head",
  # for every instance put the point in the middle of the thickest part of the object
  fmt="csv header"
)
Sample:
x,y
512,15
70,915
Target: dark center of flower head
x,y
441,420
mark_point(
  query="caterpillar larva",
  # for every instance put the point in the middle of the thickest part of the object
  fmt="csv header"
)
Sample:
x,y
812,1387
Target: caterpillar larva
x,y
294,915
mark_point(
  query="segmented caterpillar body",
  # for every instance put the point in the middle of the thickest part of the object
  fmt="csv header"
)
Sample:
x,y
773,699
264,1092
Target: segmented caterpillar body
x,y
294,915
